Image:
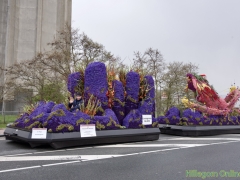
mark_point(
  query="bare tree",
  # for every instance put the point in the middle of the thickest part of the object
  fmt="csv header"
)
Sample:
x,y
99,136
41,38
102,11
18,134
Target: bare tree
x,y
139,61
32,75
174,81
69,52
156,66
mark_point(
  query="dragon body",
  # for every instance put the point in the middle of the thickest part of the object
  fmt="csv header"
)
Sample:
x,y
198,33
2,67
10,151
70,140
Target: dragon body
x,y
208,99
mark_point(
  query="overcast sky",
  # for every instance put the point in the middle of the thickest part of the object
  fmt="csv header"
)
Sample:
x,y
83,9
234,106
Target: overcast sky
x,y
204,32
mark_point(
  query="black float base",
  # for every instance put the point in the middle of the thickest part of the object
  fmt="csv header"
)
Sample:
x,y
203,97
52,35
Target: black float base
x,y
198,130
70,139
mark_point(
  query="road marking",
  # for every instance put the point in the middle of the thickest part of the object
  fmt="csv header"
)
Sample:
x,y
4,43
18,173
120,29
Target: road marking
x,y
37,152
97,157
232,134
166,139
19,154
41,152
56,164
149,145
162,150
222,143
134,145
18,169
78,148
56,158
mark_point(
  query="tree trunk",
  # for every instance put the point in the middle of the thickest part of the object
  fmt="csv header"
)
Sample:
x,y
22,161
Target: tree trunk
x,y
3,111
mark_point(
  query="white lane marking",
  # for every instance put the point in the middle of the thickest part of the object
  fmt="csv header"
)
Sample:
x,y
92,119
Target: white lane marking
x,y
231,134
94,157
149,145
56,164
109,156
56,158
18,169
19,154
37,152
222,142
167,139
41,152
162,150
78,148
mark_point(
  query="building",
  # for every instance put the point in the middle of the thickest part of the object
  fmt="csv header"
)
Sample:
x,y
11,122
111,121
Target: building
x,y
26,26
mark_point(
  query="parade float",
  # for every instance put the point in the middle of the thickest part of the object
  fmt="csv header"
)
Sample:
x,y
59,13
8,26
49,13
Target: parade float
x,y
120,108
209,115
114,110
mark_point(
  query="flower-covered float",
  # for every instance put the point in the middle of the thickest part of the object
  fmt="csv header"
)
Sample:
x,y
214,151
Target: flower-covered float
x,y
115,106
209,115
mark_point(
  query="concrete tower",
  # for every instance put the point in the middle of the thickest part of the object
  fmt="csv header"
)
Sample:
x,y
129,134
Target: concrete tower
x,y
26,26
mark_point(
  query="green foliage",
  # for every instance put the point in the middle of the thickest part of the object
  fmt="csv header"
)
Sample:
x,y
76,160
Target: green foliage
x,y
81,121
8,119
33,125
235,112
62,126
99,126
174,84
50,92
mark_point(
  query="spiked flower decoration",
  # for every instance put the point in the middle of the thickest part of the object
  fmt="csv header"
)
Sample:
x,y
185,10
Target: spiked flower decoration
x,y
92,107
96,84
110,93
29,108
75,83
119,103
147,92
132,89
108,103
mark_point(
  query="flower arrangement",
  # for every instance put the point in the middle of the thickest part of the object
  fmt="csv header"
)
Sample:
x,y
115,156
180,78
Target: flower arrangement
x,y
75,83
132,89
110,93
118,102
147,94
191,117
134,120
92,106
96,84
108,103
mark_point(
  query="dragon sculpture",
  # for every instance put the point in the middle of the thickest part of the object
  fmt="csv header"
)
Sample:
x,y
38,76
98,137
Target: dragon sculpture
x,y
208,99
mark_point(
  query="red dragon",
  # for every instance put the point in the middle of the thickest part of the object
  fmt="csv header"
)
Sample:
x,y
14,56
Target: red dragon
x,y
208,99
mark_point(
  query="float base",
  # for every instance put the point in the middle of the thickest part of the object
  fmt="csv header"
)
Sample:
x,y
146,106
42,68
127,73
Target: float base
x,y
70,139
198,130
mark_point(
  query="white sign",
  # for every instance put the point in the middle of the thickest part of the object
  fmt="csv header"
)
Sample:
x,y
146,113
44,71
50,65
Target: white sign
x,y
147,119
87,130
39,133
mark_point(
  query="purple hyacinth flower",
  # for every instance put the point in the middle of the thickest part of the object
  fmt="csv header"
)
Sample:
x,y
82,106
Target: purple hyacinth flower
x,y
132,89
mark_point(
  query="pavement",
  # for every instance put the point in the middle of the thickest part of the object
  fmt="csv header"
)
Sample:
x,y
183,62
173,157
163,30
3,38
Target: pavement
x,y
1,132
169,158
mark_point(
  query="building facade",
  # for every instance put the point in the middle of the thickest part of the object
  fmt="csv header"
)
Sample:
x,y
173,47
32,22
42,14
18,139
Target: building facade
x,y
26,26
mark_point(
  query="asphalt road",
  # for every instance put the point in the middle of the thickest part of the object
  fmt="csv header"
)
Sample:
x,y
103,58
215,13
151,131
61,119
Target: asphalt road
x,y
171,157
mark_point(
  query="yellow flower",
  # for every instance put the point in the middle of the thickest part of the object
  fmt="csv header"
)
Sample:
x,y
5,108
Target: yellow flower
x,y
186,102
233,88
